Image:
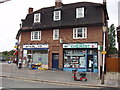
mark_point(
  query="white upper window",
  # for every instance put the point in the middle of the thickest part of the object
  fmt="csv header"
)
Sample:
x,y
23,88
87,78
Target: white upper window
x,y
57,15
55,34
79,33
80,12
19,38
36,35
37,18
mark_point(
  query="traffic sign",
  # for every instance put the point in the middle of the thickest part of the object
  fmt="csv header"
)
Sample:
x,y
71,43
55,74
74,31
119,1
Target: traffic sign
x,y
15,46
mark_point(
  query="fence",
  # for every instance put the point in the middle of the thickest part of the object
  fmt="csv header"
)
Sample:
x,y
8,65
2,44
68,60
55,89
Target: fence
x,y
112,64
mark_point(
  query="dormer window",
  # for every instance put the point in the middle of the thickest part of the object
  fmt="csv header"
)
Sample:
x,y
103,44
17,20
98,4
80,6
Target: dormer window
x,y
37,18
57,15
80,12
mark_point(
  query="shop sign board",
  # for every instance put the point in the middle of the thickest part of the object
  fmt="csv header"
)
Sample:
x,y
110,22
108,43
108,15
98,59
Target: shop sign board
x,y
36,46
81,45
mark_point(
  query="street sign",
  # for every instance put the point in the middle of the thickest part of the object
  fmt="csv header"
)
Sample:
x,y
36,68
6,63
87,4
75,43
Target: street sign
x,y
15,46
103,52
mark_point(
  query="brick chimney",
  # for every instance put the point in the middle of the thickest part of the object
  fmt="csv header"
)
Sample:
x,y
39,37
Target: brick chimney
x,y
58,3
104,2
30,10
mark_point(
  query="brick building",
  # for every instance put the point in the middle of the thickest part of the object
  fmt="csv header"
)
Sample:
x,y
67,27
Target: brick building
x,y
118,29
118,36
64,36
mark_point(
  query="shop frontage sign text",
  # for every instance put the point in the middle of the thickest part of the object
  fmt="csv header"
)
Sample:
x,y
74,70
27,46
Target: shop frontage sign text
x,y
81,45
36,46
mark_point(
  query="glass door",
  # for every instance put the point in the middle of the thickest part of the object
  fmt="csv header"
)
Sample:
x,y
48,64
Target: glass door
x,y
90,63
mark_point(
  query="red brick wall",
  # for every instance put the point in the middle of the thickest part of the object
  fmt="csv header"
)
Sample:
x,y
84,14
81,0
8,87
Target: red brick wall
x,y
94,34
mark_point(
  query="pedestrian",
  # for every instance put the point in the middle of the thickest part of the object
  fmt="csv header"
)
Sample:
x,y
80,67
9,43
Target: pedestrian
x,y
20,64
28,62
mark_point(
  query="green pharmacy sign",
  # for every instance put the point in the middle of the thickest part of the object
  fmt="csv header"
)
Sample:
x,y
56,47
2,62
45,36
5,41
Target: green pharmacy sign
x,y
81,45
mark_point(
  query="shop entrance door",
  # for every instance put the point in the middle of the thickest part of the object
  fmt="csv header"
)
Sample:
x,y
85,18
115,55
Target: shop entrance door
x,y
55,60
90,63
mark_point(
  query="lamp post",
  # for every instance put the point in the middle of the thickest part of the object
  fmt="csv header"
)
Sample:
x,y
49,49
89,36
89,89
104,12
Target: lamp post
x,y
103,52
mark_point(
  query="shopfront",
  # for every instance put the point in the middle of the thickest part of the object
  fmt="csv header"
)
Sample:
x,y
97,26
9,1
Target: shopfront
x,y
81,56
36,54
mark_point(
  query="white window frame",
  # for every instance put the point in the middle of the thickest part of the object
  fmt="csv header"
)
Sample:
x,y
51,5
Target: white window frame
x,y
37,17
55,34
19,38
33,35
80,12
84,33
57,15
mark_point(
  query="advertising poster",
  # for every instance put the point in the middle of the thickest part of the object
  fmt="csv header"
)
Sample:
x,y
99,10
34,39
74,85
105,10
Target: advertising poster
x,y
82,62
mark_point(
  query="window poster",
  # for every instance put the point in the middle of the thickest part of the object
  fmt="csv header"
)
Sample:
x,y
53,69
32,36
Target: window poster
x,y
95,62
82,62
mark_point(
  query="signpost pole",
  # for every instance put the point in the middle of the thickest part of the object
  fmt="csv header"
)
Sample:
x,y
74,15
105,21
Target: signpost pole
x,y
103,52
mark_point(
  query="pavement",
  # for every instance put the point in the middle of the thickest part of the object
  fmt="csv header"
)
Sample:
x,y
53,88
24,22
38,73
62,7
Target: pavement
x,y
64,77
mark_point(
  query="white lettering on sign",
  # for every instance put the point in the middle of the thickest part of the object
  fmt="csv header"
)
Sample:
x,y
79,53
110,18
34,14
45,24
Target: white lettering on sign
x,y
81,45
36,46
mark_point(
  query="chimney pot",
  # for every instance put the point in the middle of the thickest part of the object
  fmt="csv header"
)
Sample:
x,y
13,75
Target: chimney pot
x,y
104,2
30,10
58,3
57,0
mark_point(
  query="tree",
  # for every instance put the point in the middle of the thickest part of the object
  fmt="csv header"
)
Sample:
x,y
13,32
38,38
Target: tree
x,y
7,54
111,39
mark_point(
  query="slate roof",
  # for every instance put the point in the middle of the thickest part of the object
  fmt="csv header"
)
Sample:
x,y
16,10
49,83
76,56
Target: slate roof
x,y
93,16
118,27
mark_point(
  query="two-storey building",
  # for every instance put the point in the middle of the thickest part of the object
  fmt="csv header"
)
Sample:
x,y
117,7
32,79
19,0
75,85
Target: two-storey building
x,y
118,38
64,36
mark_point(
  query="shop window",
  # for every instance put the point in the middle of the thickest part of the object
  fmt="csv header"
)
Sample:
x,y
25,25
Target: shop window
x,y
74,51
74,61
79,33
40,51
36,35
95,62
92,51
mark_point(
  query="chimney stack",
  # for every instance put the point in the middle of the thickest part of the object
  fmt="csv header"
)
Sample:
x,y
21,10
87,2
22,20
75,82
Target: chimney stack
x,y
30,10
104,2
58,3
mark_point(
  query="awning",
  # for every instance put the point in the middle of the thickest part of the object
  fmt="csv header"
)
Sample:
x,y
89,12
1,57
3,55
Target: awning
x,y
15,53
35,48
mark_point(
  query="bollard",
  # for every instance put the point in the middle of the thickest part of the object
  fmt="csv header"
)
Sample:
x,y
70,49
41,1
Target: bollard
x,y
11,70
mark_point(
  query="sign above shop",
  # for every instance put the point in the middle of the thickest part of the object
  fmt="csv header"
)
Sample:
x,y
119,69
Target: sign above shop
x,y
81,45
36,46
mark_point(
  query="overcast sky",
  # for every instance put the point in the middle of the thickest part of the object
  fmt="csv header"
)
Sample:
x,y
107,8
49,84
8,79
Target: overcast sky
x,y
13,11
